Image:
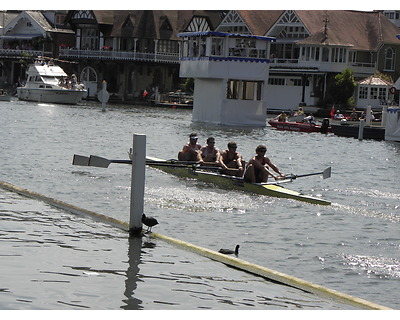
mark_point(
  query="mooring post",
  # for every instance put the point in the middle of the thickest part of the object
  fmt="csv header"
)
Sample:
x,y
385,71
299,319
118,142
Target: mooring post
x,y
368,113
384,116
137,184
361,129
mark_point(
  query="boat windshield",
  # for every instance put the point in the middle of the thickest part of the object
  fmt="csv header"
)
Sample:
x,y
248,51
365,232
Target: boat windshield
x,y
51,79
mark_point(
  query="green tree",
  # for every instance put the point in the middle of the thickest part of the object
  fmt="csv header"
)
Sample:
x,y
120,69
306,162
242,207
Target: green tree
x,y
342,88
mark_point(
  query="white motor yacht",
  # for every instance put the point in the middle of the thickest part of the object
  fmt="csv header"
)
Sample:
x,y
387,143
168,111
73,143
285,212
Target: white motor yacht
x,y
47,82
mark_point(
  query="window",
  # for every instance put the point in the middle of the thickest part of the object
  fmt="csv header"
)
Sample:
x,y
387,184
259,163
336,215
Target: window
x,y
217,46
363,93
244,90
338,55
382,93
90,39
390,56
297,82
325,54
276,81
374,93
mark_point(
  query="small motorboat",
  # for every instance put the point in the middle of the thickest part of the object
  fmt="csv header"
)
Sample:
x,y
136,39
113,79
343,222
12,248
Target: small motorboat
x,y
324,127
4,96
48,82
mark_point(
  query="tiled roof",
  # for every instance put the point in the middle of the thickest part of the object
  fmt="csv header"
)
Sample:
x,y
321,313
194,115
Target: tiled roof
x,y
260,21
375,81
151,23
361,30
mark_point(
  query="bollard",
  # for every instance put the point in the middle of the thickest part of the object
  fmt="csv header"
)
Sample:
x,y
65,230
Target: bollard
x,y
361,129
368,116
103,95
384,116
137,184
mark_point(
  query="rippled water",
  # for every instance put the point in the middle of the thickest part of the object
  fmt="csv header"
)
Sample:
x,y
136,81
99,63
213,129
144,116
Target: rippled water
x,y
352,246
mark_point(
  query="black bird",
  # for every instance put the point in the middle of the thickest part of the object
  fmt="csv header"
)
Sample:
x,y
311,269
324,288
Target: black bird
x,y
229,251
149,222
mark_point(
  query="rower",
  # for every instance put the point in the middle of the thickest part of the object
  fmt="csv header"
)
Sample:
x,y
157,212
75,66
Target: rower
x,y
191,150
210,153
257,170
230,159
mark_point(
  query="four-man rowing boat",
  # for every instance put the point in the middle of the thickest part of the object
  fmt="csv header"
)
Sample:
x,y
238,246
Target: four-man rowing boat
x,y
273,189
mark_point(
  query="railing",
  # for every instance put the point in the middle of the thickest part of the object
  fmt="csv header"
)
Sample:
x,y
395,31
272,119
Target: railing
x,y
118,55
275,62
16,53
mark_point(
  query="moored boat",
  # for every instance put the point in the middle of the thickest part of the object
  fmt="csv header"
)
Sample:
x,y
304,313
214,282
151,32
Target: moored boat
x,y
47,82
4,96
273,189
301,126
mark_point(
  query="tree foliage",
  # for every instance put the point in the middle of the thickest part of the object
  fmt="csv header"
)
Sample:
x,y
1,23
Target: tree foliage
x,y
341,89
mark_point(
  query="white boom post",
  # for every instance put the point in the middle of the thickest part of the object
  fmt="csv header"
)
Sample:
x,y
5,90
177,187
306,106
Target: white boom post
x,y
137,184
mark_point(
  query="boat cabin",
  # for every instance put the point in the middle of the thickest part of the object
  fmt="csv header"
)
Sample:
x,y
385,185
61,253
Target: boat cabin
x,y
44,74
230,74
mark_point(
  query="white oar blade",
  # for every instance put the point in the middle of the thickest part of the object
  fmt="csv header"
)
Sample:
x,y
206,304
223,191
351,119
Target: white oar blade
x,y
80,160
327,173
95,161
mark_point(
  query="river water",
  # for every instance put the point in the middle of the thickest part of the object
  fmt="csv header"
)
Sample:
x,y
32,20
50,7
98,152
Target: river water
x,y
352,246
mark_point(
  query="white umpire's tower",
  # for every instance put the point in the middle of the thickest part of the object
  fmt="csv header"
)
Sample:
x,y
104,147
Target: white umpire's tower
x,y
230,74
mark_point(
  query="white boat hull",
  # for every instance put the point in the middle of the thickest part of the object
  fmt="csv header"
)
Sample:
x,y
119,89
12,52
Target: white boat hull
x,y
50,95
5,98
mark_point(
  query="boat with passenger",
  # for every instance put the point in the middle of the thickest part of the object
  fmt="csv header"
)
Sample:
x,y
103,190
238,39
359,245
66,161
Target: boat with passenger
x,y
300,123
47,82
324,127
273,189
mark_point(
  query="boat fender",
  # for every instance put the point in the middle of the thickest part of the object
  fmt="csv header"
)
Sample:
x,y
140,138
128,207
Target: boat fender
x,y
325,125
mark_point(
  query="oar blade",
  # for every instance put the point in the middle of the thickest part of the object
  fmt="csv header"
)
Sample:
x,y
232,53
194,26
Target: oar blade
x,y
95,161
327,173
80,160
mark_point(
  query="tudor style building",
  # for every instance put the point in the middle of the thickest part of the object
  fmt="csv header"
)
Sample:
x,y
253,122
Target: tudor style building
x,y
313,46
132,50
26,35
138,50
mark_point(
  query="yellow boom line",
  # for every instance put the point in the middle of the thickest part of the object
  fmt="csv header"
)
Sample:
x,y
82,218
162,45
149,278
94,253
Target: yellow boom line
x,y
214,255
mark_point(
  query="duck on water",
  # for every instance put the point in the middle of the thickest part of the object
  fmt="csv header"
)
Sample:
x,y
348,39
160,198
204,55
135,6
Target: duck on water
x,y
229,251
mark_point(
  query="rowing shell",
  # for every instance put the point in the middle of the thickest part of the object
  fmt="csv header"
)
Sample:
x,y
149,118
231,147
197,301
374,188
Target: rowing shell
x,y
273,189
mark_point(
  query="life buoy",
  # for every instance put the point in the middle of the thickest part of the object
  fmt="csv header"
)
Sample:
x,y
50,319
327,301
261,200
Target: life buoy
x,y
392,90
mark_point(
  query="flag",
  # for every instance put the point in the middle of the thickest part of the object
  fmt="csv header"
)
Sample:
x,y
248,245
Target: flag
x,y
332,112
145,93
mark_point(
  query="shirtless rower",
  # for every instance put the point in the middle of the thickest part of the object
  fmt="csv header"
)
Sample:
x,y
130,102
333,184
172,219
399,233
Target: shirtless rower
x,y
232,159
210,153
191,150
257,170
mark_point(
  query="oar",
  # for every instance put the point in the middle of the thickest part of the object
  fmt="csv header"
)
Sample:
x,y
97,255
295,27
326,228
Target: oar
x,y
80,160
325,174
96,161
